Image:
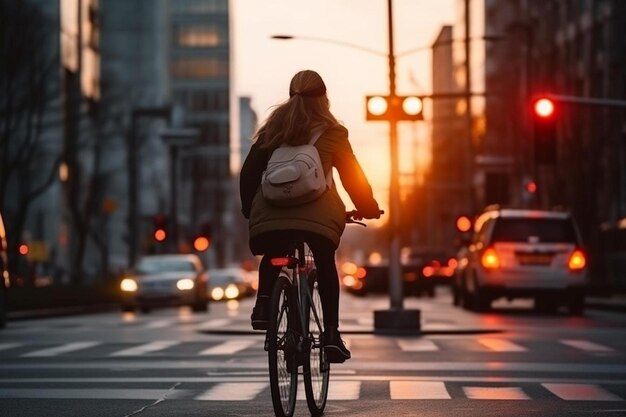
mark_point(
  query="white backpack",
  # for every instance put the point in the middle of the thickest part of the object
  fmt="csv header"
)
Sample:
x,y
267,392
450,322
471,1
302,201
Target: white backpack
x,y
294,175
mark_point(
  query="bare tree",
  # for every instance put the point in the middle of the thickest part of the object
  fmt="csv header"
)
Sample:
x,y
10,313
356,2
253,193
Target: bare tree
x,y
27,63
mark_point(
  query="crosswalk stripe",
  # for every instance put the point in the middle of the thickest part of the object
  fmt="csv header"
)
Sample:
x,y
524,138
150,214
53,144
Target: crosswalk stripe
x,y
501,345
157,324
7,346
211,324
581,392
422,345
53,351
418,390
229,347
145,348
586,345
344,390
233,391
495,393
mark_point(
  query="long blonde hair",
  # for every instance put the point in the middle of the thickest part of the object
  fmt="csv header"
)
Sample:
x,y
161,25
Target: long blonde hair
x,y
291,122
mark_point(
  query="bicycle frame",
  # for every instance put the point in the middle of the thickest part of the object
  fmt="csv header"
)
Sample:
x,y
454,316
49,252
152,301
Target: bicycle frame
x,y
296,261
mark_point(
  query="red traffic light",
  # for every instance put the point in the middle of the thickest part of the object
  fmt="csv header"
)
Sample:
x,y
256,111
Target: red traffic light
x,y
531,187
160,235
24,249
201,243
544,107
463,224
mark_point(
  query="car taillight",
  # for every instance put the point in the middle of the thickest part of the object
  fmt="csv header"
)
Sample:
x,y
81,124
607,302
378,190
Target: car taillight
x,y
577,260
490,259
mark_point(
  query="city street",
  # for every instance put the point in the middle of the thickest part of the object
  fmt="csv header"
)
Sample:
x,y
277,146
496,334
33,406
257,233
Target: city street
x,y
511,361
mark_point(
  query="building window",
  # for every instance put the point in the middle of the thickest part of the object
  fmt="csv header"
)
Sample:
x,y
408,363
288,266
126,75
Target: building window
x,y
199,6
200,36
200,67
203,100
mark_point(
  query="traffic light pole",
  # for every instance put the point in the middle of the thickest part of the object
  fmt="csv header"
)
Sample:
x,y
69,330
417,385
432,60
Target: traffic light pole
x,y
396,319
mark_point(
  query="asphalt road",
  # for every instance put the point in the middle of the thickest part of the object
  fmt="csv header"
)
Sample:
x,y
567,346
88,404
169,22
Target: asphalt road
x,y
509,362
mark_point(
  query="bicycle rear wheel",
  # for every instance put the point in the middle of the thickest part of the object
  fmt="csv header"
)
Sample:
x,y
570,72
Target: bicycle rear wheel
x,y
282,349
316,368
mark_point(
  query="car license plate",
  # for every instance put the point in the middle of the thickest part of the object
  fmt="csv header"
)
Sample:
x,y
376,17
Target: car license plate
x,y
534,259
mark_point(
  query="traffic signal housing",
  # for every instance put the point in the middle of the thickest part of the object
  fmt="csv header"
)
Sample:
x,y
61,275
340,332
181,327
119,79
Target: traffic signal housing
x,y
544,130
393,108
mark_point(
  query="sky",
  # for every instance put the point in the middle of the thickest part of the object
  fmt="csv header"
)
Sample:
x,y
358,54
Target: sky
x,y
263,67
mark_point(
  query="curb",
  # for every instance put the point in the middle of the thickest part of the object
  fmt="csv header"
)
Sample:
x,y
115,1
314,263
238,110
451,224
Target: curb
x,y
60,311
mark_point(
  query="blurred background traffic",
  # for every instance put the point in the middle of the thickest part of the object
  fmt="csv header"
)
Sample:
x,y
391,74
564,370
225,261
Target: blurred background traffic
x,y
122,134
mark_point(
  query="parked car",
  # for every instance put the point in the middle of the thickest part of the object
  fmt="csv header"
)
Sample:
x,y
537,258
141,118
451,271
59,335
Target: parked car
x,y
230,284
4,274
160,280
524,253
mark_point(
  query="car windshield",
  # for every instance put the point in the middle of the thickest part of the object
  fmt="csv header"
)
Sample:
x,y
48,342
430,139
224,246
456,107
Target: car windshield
x,y
220,278
151,266
544,230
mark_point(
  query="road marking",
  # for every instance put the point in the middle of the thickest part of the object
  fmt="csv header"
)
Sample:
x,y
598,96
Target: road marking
x,y
581,392
233,391
159,324
212,324
579,370
7,346
501,345
254,377
421,345
228,348
146,348
495,393
418,390
344,390
586,345
91,393
53,351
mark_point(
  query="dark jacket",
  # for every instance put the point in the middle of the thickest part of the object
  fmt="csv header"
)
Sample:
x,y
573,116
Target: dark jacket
x,y
324,216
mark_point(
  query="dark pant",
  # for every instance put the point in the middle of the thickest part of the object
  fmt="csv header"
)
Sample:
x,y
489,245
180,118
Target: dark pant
x,y
277,243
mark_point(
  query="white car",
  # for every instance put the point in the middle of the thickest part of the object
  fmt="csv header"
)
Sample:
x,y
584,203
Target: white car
x,y
166,280
230,284
524,253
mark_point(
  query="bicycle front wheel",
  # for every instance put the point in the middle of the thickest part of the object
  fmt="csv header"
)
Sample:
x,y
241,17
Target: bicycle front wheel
x,y
281,352
316,368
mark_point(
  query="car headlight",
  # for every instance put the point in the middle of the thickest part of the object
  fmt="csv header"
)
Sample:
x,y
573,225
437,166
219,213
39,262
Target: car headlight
x,y
217,293
232,291
129,285
184,284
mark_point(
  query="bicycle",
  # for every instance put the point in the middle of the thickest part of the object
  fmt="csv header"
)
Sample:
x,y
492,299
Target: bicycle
x,y
295,332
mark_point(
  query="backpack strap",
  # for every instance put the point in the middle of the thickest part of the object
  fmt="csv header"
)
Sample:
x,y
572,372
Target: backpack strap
x,y
315,136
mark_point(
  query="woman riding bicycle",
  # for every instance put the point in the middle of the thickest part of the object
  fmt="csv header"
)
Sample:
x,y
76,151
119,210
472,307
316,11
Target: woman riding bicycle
x,y
319,222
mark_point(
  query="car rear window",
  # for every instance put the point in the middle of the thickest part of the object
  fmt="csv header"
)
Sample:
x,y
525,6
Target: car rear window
x,y
545,230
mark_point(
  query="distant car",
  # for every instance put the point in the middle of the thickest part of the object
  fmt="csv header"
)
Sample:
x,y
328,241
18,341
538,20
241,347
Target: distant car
x,y
524,253
374,278
161,280
4,274
427,268
230,284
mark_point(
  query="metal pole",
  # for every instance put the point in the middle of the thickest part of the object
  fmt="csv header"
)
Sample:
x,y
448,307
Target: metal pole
x,y
469,154
174,195
133,215
395,273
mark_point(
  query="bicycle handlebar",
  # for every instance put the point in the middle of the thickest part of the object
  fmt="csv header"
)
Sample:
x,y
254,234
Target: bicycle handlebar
x,y
355,214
